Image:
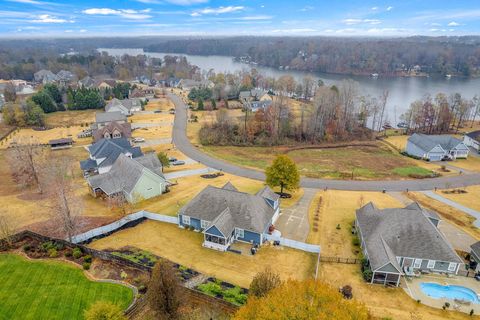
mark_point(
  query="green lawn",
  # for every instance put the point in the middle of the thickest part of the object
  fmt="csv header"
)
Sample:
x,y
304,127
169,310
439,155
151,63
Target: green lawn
x,y
51,290
409,171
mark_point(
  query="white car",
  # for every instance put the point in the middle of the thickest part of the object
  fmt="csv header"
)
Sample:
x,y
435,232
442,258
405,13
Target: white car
x,y
138,140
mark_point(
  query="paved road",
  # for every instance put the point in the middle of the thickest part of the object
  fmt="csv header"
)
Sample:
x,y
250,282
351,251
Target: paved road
x,y
293,221
455,205
187,173
183,144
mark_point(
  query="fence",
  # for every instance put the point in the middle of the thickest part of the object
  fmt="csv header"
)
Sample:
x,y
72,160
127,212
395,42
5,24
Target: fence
x,y
129,219
294,244
340,260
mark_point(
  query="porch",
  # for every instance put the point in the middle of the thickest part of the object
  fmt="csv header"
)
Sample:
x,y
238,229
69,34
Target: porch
x,y
386,278
216,242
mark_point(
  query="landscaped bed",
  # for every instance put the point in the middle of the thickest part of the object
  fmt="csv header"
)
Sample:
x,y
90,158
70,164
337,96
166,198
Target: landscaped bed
x,y
224,290
51,290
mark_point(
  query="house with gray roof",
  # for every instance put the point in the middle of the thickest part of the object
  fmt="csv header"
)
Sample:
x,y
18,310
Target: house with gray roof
x,y
436,147
126,106
134,179
65,77
105,152
225,215
45,76
472,139
399,241
111,125
87,82
475,256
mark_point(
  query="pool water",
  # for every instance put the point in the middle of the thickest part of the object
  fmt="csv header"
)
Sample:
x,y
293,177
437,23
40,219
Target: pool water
x,y
437,291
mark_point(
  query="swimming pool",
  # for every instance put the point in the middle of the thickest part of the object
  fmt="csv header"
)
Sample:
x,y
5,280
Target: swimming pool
x,y
438,291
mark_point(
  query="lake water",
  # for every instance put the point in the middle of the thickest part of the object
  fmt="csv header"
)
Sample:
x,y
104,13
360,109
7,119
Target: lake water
x,y
402,90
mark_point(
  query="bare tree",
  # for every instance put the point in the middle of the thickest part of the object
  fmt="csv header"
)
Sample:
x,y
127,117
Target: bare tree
x,y
164,291
26,159
65,204
7,227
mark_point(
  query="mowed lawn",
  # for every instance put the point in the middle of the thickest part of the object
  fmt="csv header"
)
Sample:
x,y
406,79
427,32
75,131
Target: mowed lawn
x,y
185,247
362,163
51,290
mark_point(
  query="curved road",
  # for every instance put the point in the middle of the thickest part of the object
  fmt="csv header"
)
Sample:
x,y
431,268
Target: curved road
x,y
183,144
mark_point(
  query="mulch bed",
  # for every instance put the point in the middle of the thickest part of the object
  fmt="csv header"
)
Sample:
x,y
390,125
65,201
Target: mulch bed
x,y
212,175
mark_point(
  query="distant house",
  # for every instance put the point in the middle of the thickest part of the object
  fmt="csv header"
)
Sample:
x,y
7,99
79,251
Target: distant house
x,y
111,125
225,215
254,106
126,106
63,143
105,152
2,100
472,139
45,76
105,84
436,147
134,179
255,100
137,93
87,82
169,82
65,77
403,240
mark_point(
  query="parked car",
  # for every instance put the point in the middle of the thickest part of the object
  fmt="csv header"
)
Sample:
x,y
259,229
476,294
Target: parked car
x,y
157,111
178,163
172,159
172,111
138,140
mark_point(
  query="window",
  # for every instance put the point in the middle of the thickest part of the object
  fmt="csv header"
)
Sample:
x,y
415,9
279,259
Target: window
x,y
452,266
240,233
204,224
186,220
399,259
431,264
418,263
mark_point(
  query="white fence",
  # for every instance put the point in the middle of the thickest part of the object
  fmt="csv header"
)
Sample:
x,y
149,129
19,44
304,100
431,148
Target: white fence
x,y
120,223
294,244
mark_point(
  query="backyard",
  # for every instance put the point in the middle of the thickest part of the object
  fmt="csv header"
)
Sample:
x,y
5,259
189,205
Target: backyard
x,y
185,247
51,290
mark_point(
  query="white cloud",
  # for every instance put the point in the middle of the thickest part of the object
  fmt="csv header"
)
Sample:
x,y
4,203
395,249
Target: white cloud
x,y
453,24
307,8
251,18
186,2
45,18
83,30
216,11
390,8
125,13
374,8
26,1
351,22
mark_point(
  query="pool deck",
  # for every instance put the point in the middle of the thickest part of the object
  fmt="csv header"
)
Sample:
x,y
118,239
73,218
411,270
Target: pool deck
x,y
412,287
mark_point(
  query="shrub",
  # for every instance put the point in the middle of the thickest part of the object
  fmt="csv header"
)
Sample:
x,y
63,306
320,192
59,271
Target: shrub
x,y
77,253
338,226
86,265
471,312
104,311
211,288
356,241
87,258
46,246
68,253
447,305
26,248
123,275
52,253
264,282
367,275
235,296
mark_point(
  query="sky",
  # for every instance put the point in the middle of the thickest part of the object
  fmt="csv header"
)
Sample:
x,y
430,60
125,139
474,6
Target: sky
x,y
86,18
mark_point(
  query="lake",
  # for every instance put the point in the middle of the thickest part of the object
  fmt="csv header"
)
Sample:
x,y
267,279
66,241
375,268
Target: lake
x,y
402,90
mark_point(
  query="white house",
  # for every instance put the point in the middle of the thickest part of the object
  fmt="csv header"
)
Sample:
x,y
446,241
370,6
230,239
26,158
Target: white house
x,y
436,147
126,107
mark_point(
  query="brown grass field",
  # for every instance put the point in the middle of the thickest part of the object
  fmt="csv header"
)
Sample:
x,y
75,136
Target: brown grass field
x,y
157,132
163,104
185,247
471,199
43,136
70,118
338,208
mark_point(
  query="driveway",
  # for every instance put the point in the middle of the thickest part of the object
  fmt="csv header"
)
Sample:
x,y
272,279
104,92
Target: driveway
x,y
183,144
293,221
455,205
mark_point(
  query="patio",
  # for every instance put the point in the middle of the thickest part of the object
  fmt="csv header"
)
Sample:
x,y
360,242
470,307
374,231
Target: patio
x,y
412,287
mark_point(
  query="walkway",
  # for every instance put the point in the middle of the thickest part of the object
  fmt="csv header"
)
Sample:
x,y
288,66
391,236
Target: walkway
x,y
183,144
455,205
293,221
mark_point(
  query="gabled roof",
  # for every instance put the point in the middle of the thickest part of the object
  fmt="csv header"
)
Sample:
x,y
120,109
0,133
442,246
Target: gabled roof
x,y
248,211
109,149
65,75
128,104
101,117
123,176
428,142
87,82
475,135
405,232
124,128
60,141
260,104
229,186
267,193
224,222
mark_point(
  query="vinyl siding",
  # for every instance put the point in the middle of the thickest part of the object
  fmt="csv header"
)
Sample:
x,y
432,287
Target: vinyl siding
x,y
413,150
250,237
193,222
148,186
387,268
213,231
